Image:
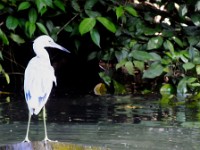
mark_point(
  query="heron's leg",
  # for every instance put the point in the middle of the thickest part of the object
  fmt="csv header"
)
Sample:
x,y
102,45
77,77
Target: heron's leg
x,y
28,126
45,126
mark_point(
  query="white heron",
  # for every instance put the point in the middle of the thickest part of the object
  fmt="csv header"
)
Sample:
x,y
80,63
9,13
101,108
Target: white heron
x,y
39,79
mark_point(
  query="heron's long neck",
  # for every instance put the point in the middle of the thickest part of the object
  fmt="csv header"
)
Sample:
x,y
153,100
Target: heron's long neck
x,y
41,52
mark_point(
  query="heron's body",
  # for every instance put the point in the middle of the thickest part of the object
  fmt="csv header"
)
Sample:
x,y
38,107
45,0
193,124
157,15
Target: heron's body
x,y
38,85
39,79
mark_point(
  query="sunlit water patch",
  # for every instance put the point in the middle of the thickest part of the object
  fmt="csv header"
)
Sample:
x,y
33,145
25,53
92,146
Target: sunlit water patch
x,y
114,122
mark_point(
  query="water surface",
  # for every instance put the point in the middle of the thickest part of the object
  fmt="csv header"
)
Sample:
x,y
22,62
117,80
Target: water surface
x,y
123,122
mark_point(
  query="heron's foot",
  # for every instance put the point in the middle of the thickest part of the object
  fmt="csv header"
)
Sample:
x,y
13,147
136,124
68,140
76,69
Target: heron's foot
x,y
26,140
46,139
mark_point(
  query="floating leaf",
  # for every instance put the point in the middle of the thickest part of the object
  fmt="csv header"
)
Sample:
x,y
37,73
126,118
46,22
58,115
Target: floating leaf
x,y
86,25
11,22
95,37
155,43
107,24
17,38
42,28
24,5
153,71
100,89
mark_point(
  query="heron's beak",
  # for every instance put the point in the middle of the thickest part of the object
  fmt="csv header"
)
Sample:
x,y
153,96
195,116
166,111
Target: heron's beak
x,y
55,45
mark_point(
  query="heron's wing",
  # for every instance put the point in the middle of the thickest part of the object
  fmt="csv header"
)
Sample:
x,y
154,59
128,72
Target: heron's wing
x,y
38,82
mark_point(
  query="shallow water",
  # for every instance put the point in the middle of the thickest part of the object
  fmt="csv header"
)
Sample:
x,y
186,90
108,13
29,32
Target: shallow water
x,y
114,122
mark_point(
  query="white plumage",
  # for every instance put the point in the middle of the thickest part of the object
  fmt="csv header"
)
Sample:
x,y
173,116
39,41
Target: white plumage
x,y
39,78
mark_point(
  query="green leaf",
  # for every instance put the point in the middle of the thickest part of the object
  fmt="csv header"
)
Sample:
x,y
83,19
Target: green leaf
x,y
7,77
92,55
139,65
3,37
86,25
105,78
42,28
92,14
23,6
155,43
11,22
41,6
120,64
119,88
68,28
30,28
153,71
119,11
198,69
107,24
182,86
32,15
141,55
155,56
95,37
89,4
16,38
131,11
167,89
1,6
50,26
60,5
183,10
48,2
1,56
188,66
178,41
196,19
197,6
75,5
168,45
120,55
129,67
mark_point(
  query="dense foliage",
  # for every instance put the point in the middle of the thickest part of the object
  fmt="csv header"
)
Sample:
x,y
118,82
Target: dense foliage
x,y
152,44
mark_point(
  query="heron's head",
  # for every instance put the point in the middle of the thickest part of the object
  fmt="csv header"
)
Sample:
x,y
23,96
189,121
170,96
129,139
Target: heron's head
x,y
45,41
